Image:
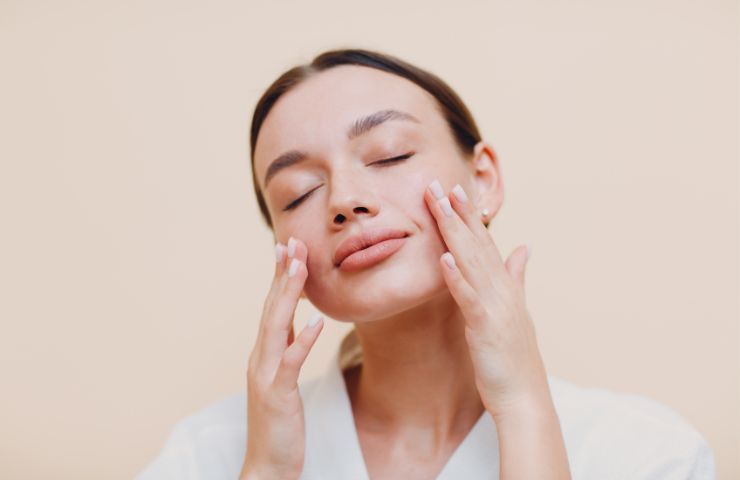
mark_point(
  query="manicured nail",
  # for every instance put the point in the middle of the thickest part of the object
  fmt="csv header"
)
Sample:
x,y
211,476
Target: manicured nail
x,y
437,189
314,319
449,260
279,252
446,206
291,247
293,267
459,193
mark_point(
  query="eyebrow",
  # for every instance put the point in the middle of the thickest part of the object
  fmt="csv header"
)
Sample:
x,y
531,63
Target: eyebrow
x,y
359,127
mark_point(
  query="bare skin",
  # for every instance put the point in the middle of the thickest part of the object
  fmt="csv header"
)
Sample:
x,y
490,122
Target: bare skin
x,y
441,346
419,445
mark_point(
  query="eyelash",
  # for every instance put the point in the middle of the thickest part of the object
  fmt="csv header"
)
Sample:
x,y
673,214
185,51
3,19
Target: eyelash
x,y
387,161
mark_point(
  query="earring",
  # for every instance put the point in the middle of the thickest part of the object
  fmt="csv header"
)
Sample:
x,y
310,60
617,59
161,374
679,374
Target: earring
x,y
484,213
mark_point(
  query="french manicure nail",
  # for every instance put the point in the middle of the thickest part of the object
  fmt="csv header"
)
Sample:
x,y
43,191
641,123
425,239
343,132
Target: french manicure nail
x,y
293,267
314,319
459,193
446,206
437,189
449,260
291,247
279,251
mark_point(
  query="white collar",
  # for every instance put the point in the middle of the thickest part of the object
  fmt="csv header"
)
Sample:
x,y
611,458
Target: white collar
x,y
332,444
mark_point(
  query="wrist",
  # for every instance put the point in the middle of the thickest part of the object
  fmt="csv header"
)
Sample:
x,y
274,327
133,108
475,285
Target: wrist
x,y
531,425
524,409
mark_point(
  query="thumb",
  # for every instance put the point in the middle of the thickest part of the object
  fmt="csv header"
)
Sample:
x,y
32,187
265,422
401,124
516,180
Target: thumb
x,y
517,263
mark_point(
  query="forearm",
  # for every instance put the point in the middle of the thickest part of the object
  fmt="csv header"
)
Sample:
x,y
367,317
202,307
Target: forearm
x,y
531,444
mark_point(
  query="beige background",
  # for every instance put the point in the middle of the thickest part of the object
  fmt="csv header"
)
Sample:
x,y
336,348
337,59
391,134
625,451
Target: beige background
x,y
134,263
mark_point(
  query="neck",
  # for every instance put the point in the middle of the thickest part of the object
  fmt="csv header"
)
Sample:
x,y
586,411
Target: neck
x,y
416,372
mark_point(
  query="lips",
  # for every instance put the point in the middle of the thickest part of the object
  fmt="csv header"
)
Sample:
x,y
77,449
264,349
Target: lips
x,y
364,240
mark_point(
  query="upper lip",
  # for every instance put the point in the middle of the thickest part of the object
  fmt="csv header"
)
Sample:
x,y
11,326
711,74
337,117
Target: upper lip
x,y
365,239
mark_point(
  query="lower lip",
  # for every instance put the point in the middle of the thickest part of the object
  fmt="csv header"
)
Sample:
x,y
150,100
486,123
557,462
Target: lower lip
x,y
371,255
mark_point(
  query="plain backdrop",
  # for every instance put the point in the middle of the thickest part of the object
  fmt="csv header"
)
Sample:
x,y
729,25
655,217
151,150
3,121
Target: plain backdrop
x,y
134,263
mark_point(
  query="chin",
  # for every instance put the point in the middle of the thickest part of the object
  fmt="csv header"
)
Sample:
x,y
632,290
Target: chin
x,y
387,292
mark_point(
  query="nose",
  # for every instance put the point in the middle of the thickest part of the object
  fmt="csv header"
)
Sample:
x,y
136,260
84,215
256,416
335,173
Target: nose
x,y
340,218
350,198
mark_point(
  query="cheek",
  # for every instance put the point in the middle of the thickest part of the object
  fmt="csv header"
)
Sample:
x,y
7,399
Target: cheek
x,y
320,270
406,192
316,271
409,196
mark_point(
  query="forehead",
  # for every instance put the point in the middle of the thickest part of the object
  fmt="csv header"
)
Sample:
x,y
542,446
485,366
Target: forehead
x,y
314,116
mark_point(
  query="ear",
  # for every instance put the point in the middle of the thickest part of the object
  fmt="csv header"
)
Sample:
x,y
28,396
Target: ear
x,y
488,182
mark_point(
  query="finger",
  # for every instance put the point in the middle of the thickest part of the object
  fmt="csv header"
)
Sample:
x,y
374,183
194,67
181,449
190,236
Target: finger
x,y
295,248
275,332
280,262
516,264
464,294
284,254
280,255
286,377
468,213
279,321
471,217
459,240
454,231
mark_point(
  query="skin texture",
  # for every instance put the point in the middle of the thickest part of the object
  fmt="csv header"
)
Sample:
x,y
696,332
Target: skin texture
x,y
441,346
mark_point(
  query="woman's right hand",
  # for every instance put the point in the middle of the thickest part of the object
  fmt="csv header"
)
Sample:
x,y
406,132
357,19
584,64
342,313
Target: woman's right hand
x,y
275,421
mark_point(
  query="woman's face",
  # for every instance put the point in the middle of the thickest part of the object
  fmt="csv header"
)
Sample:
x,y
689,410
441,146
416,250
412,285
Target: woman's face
x,y
350,193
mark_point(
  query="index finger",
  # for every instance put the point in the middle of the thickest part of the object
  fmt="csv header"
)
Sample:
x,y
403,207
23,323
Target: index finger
x,y
277,321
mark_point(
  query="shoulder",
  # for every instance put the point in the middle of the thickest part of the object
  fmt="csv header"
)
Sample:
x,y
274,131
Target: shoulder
x,y
210,442
622,435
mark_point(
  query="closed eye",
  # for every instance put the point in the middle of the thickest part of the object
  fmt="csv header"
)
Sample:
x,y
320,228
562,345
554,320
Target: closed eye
x,y
391,160
298,201
387,161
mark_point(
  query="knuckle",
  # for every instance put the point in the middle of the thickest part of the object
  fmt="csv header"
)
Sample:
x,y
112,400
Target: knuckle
x,y
469,297
255,385
272,328
479,311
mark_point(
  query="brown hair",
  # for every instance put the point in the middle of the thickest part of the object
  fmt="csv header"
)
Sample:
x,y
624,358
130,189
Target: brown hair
x,y
451,107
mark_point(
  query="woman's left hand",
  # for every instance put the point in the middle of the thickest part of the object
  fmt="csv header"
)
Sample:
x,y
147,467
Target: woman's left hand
x,y
509,371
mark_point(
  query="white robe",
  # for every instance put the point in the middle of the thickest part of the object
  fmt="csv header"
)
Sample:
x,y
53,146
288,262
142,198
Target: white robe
x,y
608,436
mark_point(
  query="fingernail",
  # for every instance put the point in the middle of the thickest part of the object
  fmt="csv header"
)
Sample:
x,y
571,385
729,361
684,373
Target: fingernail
x,y
314,319
437,189
446,206
449,260
529,251
459,193
291,247
293,267
279,252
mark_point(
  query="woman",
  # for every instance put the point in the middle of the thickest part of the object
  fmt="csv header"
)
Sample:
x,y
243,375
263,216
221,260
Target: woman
x,y
379,190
